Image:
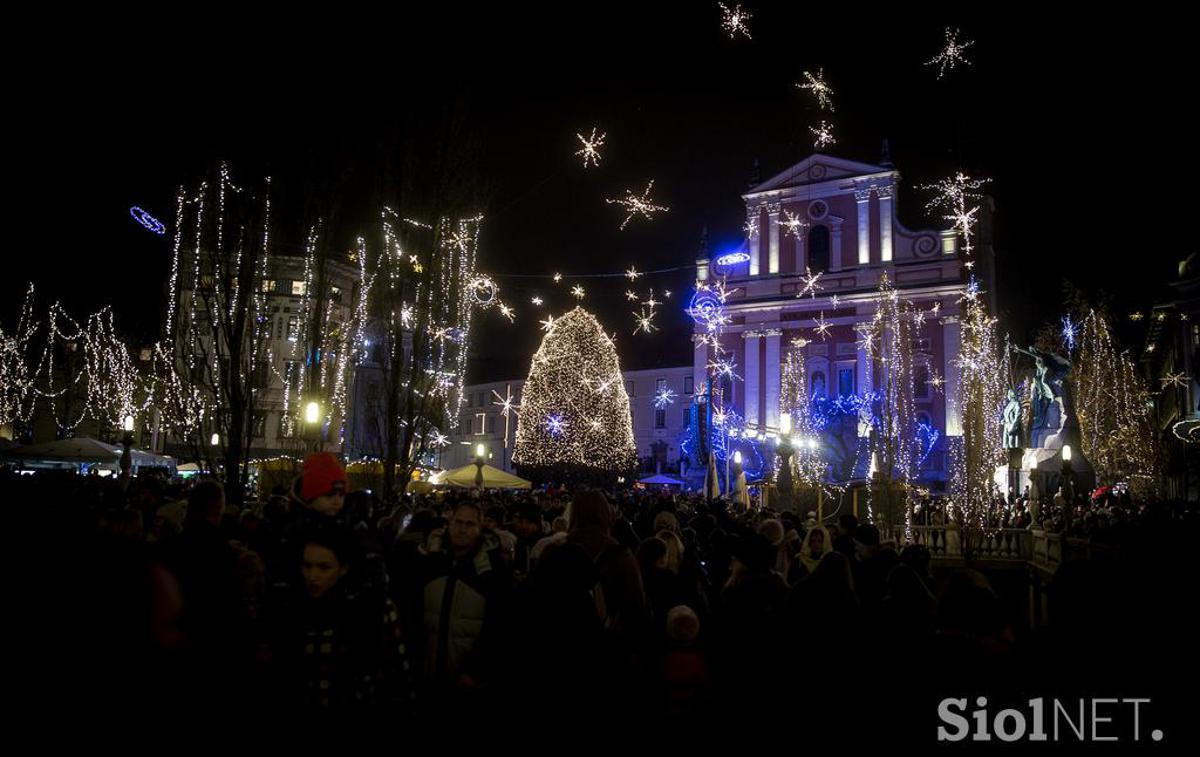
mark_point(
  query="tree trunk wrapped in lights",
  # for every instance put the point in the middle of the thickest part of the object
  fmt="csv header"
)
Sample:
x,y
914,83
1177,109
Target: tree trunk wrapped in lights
x,y
984,380
574,422
1115,409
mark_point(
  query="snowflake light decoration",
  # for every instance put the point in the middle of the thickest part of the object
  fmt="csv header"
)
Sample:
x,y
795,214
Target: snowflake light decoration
x,y
735,20
818,86
577,292
635,205
951,54
663,397
823,135
590,150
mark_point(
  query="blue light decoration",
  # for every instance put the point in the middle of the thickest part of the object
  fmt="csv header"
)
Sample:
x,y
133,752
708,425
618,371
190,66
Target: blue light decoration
x,y
706,307
927,437
147,220
731,259
555,424
1069,332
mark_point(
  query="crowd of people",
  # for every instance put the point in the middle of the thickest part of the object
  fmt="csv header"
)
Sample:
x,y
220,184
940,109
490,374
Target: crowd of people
x,y
320,601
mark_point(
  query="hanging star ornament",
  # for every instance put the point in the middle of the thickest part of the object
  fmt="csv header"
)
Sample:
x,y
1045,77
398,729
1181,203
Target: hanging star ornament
x,y
818,86
1177,380
792,224
636,205
823,135
951,54
557,277
577,292
821,327
590,150
663,397
735,20
809,283
751,226
629,295
536,301
632,273
548,323
644,321
505,402
508,313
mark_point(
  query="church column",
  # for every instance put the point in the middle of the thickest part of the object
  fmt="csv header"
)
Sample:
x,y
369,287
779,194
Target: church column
x,y
951,340
772,367
755,239
773,241
863,197
801,237
885,221
750,405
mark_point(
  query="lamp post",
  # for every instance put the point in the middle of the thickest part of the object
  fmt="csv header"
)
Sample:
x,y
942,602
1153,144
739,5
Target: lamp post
x,y
785,450
126,443
480,452
1068,480
312,417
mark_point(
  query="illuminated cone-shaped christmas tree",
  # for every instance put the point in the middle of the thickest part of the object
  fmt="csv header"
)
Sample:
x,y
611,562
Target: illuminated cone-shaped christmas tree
x,y
574,418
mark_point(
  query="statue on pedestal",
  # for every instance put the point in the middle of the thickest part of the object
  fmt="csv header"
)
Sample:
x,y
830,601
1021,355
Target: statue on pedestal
x,y
1012,421
1047,400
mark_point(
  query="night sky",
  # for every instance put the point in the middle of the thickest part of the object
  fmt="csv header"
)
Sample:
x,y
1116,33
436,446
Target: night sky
x,y
1080,122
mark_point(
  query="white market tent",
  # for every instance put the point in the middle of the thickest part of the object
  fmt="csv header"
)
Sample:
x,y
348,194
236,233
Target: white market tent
x,y
493,478
661,480
83,449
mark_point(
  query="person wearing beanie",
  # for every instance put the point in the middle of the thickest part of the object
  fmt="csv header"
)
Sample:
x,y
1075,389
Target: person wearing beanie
x,y
323,484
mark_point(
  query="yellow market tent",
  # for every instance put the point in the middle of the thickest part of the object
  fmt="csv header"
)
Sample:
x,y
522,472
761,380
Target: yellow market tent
x,y
493,478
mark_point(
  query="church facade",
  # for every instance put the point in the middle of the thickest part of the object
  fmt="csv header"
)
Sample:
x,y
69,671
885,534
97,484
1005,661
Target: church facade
x,y
838,218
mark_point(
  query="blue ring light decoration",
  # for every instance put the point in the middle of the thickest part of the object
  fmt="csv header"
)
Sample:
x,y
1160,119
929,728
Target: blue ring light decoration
x,y
705,307
147,220
731,259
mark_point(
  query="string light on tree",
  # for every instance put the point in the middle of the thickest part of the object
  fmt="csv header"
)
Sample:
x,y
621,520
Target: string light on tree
x,y
735,21
820,88
635,205
563,424
590,150
951,54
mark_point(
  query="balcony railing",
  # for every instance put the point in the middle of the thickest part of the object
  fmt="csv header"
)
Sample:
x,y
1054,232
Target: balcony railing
x,y
1043,548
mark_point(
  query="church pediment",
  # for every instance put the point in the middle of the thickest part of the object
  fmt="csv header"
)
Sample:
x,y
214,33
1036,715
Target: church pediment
x,y
817,169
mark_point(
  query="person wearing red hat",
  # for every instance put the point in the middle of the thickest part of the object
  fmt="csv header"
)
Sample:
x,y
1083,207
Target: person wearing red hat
x,y
322,485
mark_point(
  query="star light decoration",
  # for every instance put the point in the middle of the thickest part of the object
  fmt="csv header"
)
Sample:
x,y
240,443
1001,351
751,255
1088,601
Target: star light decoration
x,y
645,321
1174,380
536,301
823,135
632,273
663,397
667,293
821,327
557,277
505,402
809,283
751,226
577,292
651,302
507,312
951,54
835,302
590,150
438,439
1070,331
635,205
556,425
936,381
792,224
957,196
818,86
548,323
630,295
735,20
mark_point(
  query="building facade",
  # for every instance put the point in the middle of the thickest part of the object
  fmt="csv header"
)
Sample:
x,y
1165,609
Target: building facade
x,y
838,218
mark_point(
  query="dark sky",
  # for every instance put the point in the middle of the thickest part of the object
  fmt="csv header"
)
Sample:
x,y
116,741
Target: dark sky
x,y
1080,121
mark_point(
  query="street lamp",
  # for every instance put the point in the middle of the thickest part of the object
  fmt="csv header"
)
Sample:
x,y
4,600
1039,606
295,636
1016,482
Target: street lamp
x,y
480,452
312,412
1068,479
126,442
785,450
215,440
